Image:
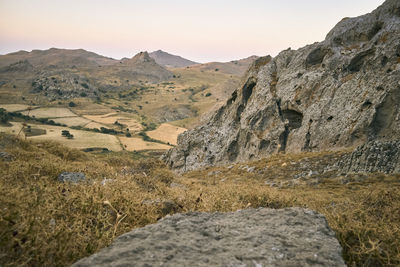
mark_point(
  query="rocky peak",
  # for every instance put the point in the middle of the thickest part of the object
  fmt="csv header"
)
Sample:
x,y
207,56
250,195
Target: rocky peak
x,y
341,92
141,58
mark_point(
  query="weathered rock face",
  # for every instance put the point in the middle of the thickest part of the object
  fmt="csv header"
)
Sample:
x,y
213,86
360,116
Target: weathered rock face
x,y
253,237
340,92
375,156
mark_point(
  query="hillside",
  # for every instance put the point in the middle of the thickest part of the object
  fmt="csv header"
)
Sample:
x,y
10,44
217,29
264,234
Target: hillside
x,y
338,93
235,67
57,57
64,74
171,61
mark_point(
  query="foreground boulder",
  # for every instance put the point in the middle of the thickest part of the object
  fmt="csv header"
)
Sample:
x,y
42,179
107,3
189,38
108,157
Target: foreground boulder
x,y
252,237
341,92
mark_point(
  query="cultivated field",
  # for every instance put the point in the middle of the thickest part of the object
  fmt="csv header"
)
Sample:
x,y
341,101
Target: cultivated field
x,y
81,140
50,113
14,107
137,144
167,133
73,121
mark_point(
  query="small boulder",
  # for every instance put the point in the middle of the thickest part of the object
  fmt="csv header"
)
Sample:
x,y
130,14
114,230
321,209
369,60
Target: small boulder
x,y
6,156
73,177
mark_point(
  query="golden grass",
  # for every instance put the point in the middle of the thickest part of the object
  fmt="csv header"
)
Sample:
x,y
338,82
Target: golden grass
x,y
82,139
111,118
72,121
14,107
50,113
166,133
45,222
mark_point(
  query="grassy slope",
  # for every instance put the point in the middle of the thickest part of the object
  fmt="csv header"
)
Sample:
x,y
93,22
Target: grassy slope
x,y
44,222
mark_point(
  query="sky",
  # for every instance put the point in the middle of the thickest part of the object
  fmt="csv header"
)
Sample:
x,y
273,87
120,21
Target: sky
x,y
202,30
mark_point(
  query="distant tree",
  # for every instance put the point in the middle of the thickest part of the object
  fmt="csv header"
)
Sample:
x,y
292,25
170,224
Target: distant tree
x,y
85,85
72,104
83,94
208,94
4,116
128,134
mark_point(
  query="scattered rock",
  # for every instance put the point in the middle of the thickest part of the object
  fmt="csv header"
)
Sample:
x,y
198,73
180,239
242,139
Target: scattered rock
x,y
251,237
73,177
214,173
6,156
151,201
169,207
106,181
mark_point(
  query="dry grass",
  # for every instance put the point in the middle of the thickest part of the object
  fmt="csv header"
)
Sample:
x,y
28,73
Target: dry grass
x,y
137,144
109,119
50,113
45,222
81,140
14,107
166,133
72,121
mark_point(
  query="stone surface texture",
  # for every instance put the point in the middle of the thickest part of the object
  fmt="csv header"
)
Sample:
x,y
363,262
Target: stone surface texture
x,y
73,177
341,92
376,156
251,237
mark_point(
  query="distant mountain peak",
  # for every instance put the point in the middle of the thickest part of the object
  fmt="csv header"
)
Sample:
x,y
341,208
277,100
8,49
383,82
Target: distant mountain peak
x,y
169,60
141,57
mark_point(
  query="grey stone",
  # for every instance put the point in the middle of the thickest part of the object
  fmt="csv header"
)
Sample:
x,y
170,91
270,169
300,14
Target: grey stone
x,y
251,237
177,185
73,177
374,156
341,92
6,156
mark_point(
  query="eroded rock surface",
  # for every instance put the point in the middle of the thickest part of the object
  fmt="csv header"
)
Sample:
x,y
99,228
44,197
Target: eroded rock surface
x,y
376,156
343,91
252,237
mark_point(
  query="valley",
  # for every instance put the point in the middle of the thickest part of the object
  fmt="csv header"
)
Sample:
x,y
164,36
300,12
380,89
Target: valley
x,y
142,114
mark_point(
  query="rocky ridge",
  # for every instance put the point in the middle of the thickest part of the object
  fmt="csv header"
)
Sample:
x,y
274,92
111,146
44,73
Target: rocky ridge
x,y
341,92
64,74
251,237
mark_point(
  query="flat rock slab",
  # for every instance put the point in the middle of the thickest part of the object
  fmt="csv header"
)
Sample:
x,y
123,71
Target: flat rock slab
x,y
251,237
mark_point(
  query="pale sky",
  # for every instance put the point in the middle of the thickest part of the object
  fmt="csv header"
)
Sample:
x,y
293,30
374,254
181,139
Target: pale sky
x,y
203,30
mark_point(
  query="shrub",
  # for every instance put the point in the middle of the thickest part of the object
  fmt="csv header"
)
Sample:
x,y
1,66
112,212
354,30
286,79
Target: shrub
x,y
72,104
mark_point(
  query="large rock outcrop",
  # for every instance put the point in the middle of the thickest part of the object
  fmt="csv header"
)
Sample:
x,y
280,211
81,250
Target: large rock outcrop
x,y
253,237
375,156
343,91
